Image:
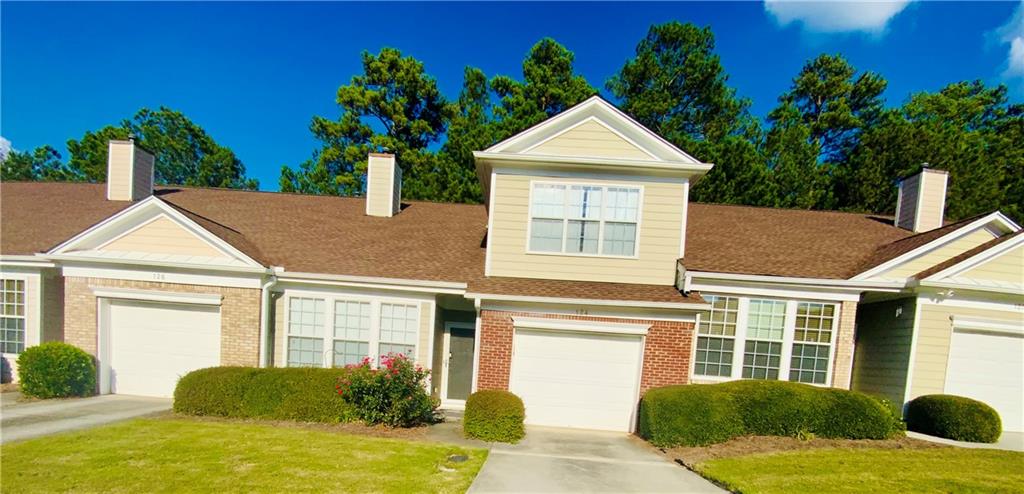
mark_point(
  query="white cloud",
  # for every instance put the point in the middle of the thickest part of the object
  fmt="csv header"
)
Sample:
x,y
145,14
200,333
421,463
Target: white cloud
x,y
826,16
1012,33
5,148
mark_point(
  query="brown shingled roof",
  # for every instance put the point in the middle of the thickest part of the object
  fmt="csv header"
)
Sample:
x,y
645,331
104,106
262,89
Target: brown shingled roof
x,y
902,246
783,242
39,216
528,287
965,255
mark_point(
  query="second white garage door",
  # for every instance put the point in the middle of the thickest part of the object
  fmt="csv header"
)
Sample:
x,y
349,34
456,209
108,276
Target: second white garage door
x,y
989,367
153,344
575,379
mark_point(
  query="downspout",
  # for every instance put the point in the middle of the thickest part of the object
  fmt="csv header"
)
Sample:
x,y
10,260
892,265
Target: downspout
x,y
265,291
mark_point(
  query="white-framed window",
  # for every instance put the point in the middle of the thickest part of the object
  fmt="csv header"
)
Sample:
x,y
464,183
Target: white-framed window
x,y
12,316
812,342
584,219
306,332
351,332
359,328
762,351
399,326
716,338
761,338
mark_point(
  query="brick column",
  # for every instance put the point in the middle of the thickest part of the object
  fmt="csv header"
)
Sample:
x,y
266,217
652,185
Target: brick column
x,y
842,367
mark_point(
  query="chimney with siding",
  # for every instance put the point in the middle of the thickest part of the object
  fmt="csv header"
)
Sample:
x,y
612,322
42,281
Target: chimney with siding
x,y
921,203
129,171
383,185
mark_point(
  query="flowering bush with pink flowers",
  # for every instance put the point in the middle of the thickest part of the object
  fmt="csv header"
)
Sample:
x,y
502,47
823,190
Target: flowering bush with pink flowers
x,y
394,393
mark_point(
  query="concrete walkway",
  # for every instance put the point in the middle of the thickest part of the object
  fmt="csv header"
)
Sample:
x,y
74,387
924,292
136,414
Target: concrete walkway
x,y
25,420
567,460
1009,441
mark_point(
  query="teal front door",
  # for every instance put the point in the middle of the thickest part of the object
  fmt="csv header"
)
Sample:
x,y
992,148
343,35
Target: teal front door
x,y
460,363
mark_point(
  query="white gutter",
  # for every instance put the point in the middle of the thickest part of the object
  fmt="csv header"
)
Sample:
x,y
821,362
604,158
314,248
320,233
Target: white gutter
x,y
372,282
26,261
587,301
965,286
787,280
265,291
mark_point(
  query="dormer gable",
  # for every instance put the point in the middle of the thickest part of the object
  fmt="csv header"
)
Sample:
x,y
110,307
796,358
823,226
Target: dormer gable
x,y
997,265
153,232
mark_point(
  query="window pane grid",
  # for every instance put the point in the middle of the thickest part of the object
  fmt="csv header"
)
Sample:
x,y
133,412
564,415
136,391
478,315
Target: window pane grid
x,y
714,356
350,352
352,320
584,219
814,322
305,352
761,359
809,363
398,324
306,317
721,320
12,316
766,320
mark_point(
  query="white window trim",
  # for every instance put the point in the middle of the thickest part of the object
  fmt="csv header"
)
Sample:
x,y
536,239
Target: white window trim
x,y
332,338
788,334
25,343
329,301
601,223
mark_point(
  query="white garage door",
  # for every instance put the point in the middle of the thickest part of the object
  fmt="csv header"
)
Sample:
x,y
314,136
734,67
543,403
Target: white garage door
x,y
582,380
989,367
153,344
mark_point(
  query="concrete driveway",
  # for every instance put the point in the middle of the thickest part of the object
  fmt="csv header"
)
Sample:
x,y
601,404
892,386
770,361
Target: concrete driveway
x,y
24,420
567,460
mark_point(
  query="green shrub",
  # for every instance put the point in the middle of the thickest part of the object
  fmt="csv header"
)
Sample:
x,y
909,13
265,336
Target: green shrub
x,y
954,417
702,414
300,394
688,415
394,394
494,415
56,370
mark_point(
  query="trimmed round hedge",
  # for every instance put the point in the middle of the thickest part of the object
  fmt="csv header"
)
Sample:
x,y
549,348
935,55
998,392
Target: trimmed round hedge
x,y
702,414
300,394
494,415
56,370
954,417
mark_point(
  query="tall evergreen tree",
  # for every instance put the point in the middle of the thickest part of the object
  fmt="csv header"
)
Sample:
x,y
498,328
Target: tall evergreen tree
x,y
393,106
676,86
41,164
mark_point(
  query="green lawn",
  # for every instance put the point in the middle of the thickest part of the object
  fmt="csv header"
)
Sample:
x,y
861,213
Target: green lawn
x,y
174,455
871,470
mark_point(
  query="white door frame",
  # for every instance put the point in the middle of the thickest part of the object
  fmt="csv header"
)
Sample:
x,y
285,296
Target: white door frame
x,y
445,349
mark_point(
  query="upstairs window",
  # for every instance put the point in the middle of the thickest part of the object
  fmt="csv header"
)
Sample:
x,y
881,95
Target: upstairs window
x,y
584,219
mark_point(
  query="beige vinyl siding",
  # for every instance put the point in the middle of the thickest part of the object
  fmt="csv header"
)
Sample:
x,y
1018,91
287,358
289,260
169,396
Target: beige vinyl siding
x,y
882,353
423,356
119,184
657,245
933,198
379,186
593,140
935,330
280,330
163,236
1006,267
943,253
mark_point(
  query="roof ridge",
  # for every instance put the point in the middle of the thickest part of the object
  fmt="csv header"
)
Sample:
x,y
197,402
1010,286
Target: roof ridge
x,y
774,208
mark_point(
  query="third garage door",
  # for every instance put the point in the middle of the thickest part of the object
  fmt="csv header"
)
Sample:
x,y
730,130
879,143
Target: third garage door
x,y
577,379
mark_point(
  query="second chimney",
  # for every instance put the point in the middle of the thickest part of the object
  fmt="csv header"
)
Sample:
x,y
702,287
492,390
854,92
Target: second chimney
x,y
129,171
921,203
383,185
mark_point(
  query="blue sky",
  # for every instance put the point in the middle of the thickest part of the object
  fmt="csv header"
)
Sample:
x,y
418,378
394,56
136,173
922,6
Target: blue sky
x,y
254,74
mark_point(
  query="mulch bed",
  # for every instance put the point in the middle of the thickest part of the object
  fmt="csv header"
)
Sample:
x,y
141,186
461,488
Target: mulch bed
x,y
750,445
412,433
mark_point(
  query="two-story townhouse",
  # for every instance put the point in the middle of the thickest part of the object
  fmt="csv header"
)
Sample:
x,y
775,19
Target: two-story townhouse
x,y
586,278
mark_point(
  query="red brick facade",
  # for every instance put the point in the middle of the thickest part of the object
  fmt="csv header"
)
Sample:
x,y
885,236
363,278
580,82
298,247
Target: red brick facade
x,y
667,349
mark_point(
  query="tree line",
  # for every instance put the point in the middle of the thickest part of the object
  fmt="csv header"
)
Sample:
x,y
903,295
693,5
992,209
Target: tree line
x,y
831,142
